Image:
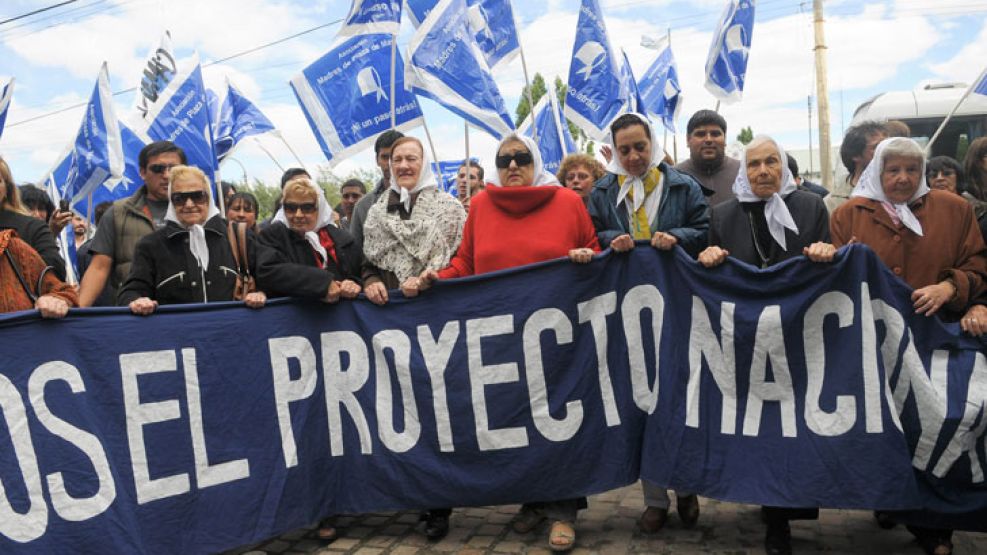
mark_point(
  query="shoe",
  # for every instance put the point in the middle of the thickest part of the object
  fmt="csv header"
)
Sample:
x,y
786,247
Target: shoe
x,y
933,542
436,526
562,536
526,520
653,519
884,520
688,509
327,531
778,539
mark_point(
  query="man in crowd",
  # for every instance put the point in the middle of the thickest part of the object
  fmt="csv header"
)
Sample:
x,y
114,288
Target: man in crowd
x,y
804,184
382,149
130,219
475,180
80,229
708,162
856,152
351,192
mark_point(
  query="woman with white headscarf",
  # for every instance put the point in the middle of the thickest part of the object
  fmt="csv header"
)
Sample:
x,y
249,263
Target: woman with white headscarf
x,y
189,260
928,238
412,227
643,198
524,217
306,255
769,220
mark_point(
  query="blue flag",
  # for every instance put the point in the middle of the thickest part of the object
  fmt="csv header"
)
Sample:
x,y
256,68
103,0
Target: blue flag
x,y
659,86
237,119
554,140
418,10
627,81
181,115
446,170
595,95
97,154
372,16
344,95
979,88
726,65
492,22
5,96
159,69
447,66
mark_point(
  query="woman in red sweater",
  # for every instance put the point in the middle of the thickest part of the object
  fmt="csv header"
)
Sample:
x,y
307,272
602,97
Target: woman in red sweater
x,y
525,218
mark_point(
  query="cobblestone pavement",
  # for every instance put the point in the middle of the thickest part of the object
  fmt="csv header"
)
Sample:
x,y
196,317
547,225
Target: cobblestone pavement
x,y
607,527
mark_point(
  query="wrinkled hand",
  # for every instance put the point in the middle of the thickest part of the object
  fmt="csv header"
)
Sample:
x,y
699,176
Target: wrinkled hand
x,y
607,153
930,299
332,294
376,293
349,289
713,256
142,306
59,219
622,243
581,256
411,287
664,241
974,321
257,299
52,306
820,252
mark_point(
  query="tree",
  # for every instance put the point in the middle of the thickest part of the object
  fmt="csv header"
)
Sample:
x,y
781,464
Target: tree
x,y
746,135
268,196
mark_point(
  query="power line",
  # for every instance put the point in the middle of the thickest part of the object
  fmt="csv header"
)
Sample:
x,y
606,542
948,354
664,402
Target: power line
x,y
35,12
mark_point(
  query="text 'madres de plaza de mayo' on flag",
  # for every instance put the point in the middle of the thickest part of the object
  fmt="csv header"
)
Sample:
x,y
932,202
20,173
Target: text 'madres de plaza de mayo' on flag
x,y
596,94
726,65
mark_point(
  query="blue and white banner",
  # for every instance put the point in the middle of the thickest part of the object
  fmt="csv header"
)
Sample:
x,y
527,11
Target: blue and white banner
x,y
181,115
237,119
97,154
344,95
5,95
495,30
446,65
629,84
554,140
205,427
159,69
659,86
726,64
418,10
372,16
595,95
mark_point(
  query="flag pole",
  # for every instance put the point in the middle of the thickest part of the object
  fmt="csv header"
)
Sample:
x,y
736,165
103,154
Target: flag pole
x,y
278,134
466,135
675,146
269,155
394,46
527,81
428,136
942,126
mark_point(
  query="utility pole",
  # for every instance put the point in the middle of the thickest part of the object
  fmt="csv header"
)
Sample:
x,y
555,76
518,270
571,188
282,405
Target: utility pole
x,y
822,95
810,132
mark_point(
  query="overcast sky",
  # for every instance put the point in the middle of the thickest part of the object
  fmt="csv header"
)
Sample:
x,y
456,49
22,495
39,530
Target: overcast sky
x,y
873,47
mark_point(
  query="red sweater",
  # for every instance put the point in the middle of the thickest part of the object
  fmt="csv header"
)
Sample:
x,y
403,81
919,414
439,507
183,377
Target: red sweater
x,y
514,226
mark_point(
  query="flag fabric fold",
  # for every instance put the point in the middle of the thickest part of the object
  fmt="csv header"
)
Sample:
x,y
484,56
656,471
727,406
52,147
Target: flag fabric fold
x,y
554,140
159,69
659,86
726,64
595,94
372,16
237,118
418,10
492,23
97,153
631,91
5,96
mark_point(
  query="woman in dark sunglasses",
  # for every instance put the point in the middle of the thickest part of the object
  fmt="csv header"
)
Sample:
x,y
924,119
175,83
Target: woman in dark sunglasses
x,y
189,260
528,218
306,254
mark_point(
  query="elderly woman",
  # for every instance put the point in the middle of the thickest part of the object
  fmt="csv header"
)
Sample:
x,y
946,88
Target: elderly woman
x,y
769,220
578,172
34,232
306,255
242,207
526,204
642,197
926,237
189,260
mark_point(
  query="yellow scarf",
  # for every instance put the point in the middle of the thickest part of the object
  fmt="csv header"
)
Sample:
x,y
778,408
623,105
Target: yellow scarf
x,y
640,226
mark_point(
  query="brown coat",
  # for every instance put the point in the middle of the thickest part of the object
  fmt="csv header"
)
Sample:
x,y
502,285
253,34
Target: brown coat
x,y
950,248
12,294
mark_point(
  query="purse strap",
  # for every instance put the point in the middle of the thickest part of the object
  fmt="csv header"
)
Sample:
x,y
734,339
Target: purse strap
x,y
20,276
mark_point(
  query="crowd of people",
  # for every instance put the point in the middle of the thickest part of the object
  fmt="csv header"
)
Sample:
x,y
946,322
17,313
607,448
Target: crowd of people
x,y
169,244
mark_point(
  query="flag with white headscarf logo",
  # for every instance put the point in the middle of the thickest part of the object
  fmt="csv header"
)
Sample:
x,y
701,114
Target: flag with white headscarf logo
x,y
726,64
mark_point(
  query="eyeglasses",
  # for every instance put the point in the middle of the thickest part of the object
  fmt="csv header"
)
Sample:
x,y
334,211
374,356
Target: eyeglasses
x,y
197,197
578,175
521,158
305,207
160,168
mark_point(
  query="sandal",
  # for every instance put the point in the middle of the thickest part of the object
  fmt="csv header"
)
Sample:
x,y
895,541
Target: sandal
x,y
562,536
526,520
327,532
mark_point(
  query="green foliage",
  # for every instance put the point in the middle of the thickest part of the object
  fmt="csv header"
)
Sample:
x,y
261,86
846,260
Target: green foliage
x,y
538,89
269,195
746,135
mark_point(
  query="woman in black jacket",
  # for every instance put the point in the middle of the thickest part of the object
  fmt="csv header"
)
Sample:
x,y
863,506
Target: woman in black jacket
x,y
189,260
305,254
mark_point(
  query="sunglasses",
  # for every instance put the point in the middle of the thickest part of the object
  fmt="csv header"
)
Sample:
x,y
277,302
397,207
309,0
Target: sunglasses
x,y
197,197
305,207
160,168
521,158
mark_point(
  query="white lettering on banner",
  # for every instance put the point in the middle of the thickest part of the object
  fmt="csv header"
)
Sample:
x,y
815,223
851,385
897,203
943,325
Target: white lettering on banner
x,y
965,438
482,375
769,347
74,509
436,354
341,386
553,429
585,99
722,361
843,417
399,345
636,301
873,390
595,311
287,390
29,526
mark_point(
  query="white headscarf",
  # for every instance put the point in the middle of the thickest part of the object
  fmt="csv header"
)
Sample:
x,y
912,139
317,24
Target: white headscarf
x,y
775,210
541,177
869,185
635,182
196,233
426,179
324,219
